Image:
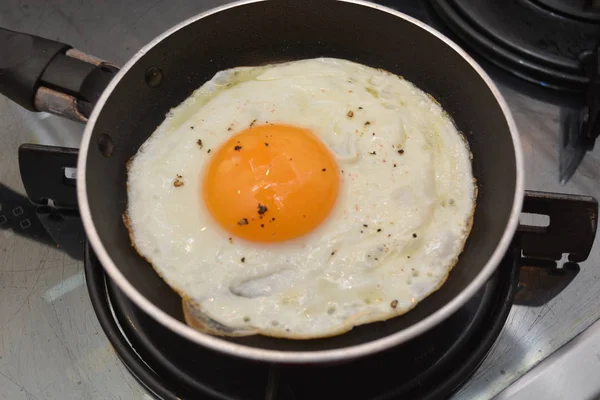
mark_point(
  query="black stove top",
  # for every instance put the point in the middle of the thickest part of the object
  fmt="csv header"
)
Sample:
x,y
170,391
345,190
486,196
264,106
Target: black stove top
x,y
430,366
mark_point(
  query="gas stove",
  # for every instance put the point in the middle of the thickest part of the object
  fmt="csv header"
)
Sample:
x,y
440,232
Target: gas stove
x,y
55,341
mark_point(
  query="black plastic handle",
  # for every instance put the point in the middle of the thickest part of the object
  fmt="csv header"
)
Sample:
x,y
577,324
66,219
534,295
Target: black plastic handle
x,y
573,222
44,75
571,230
23,60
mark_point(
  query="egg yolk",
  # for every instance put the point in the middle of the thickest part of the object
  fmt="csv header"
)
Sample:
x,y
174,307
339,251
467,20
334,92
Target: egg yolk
x,y
271,183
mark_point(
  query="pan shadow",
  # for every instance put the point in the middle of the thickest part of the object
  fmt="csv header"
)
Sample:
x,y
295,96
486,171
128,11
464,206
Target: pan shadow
x,y
18,216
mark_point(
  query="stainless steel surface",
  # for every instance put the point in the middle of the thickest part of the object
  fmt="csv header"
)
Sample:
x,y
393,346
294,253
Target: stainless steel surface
x,y
548,379
51,346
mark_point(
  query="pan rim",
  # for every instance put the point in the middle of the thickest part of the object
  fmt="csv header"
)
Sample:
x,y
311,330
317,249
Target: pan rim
x,y
299,357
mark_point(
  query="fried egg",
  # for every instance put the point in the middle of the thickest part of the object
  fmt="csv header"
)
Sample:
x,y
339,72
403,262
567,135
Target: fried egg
x,y
301,199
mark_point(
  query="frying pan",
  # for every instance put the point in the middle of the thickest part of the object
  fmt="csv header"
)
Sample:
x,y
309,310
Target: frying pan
x,y
129,104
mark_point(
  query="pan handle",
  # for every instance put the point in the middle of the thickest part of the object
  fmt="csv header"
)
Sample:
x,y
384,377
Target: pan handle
x,y
44,75
572,226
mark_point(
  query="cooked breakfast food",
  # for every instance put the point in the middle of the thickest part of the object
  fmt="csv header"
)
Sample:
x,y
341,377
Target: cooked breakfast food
x,y
301,199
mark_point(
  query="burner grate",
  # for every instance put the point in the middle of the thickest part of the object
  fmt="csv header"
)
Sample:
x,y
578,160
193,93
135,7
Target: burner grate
x,y
526,37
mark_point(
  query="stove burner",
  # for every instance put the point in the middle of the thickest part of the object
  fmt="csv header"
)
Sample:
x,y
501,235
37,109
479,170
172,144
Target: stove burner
x,y
584,9
538,40
431,366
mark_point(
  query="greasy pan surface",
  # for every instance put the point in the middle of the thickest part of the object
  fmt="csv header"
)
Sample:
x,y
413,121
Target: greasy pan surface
x,y
254,33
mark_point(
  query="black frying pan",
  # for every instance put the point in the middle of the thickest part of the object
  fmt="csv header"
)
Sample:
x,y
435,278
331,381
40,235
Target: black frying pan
x,y
40,76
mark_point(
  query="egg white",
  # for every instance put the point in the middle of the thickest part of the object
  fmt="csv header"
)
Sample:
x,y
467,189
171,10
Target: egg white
x,y
404,211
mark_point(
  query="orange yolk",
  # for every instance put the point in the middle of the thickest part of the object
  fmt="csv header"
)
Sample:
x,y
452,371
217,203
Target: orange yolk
x,y
271,183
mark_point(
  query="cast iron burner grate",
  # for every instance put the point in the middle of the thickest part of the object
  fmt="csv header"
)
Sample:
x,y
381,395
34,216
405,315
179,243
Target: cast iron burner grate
x,y
431,366
542,41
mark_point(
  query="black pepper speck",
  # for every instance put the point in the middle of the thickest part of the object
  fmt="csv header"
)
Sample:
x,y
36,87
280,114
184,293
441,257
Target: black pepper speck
x,y
237,148
262,209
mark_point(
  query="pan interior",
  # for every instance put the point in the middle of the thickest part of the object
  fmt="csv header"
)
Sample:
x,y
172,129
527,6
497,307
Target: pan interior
x,y
276,31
